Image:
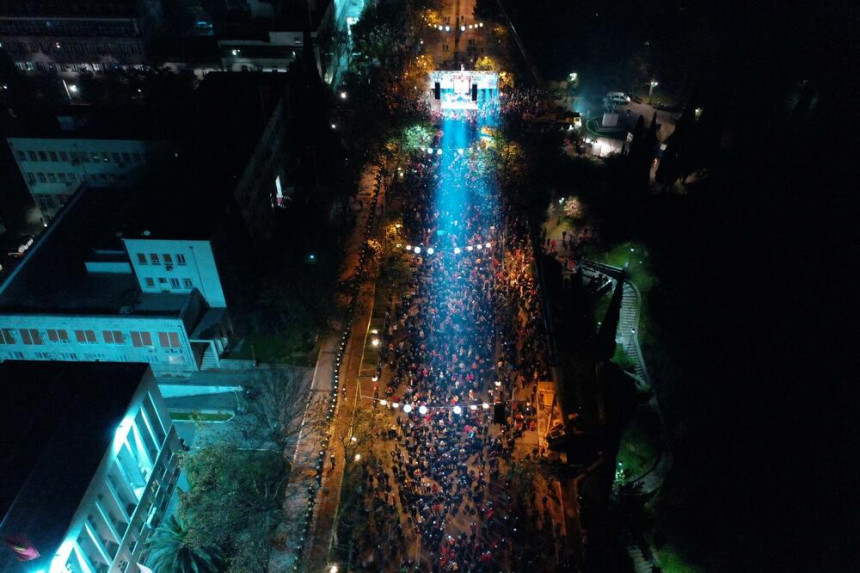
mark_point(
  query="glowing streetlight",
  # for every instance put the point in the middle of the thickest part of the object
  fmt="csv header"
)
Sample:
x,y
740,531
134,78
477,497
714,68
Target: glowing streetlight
x,y
374,342
342,95
457,250
430,250
417,250
422,410
651,85
334,126
458,410
407,408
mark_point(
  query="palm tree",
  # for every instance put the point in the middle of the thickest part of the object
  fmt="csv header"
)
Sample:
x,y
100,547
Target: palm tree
x,y
171,551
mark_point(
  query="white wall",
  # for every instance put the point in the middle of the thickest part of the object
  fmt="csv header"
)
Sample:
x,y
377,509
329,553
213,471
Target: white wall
x,y
108,526
52,173
192,266
161,359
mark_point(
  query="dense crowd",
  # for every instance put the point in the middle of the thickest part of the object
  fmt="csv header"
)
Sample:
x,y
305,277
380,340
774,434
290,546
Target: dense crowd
x,y
461,340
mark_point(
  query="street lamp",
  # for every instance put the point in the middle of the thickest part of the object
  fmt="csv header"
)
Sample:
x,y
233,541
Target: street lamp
x,y
342,95
653,84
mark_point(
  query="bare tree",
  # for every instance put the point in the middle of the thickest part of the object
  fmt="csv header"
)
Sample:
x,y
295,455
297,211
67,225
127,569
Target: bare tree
x,y
277,407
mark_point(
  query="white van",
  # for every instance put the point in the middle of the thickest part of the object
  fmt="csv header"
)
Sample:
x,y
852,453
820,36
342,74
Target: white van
x,y
617,97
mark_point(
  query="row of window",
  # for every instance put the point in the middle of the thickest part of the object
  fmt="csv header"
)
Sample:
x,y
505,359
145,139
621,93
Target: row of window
x,y
71,27
174,283
32,336
77,157
72,179
75,67
156,260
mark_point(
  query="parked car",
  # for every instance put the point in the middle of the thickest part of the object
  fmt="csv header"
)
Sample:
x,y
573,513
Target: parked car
x,y
617,98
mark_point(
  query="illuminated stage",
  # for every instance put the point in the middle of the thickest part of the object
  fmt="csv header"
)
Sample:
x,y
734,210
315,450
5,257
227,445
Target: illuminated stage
x,y
463,90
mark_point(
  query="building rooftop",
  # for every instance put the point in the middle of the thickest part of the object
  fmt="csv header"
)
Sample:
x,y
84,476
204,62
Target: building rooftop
x,y
59,419
61,8
135,122
53,277
230,114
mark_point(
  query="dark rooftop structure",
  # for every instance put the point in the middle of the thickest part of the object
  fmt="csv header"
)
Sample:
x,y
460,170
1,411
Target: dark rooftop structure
x,y
59,419
230,112
55,8
53,277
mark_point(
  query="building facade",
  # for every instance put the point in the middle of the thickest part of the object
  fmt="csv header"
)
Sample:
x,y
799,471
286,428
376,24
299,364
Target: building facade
x,y
103,522
54,168
176,266
41,35
77,298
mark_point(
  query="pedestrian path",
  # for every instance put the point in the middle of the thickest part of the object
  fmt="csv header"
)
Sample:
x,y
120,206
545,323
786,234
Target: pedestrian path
x,y
311,496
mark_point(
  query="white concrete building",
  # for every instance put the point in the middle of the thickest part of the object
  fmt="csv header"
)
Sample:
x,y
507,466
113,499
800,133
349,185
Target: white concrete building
x,y
92,471
77,296
55,167
176,266
98,35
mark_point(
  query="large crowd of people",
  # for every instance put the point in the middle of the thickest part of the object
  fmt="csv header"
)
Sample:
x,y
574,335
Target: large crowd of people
x,y
460,342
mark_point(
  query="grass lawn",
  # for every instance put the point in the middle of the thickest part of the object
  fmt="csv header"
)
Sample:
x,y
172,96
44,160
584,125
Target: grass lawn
x,y
273,349
640,443
671,562
201,416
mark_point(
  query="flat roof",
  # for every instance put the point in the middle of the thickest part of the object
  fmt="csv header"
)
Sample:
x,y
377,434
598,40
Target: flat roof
x,y
231,111
128,121
55,9
53,277
59,419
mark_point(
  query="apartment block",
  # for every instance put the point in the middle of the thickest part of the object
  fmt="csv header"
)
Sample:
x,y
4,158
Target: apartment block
x,y
89,468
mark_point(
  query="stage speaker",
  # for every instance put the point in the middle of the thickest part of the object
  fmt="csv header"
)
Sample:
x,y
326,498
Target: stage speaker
x,y
499,413
474,92
437,90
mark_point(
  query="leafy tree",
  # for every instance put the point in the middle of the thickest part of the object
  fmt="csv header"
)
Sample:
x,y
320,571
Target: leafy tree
x,y
173,551
234,496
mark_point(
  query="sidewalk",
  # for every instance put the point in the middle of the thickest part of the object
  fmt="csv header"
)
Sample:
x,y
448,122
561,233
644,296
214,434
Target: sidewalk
x,y
312,495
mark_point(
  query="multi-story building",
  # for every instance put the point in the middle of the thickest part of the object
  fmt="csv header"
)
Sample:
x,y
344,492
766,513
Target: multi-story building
x,y
82,293
89,466
272,39
45,35
55,167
